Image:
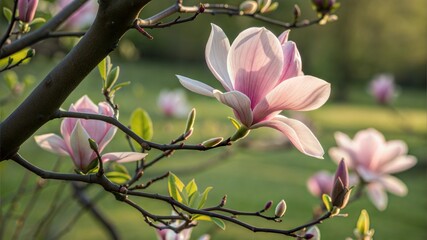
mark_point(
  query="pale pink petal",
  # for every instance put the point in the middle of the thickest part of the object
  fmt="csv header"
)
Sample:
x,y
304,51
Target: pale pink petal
x,y
300,93
216,56
196,86
377,195
399,164
343,140
320,183
105,109
367,175
299,134
292,61
82,153
337,154
107,138
283,38
388,152
394,185
367,143
123,157
239,102
85,103
255,63
52,143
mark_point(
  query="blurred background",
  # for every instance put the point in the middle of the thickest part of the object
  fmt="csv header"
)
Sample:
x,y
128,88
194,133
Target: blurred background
x,y
371,37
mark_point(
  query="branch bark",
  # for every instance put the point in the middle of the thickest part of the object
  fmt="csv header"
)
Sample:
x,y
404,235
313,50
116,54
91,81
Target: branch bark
x,y
113,19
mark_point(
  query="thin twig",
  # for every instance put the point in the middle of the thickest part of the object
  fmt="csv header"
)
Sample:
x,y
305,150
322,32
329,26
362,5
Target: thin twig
x,y
11,24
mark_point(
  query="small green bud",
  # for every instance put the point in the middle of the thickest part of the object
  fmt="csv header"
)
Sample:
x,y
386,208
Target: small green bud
x,y
30,53
93,145
190,121
212,142
280,209
242,132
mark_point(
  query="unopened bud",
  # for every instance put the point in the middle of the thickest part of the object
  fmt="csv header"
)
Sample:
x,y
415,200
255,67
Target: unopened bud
x,y
280,209
223,201
190,121
312,233
268,205
212,142
27,10
202,8
30,53
188,134
308,236
248,7
297,12
93,145
341,191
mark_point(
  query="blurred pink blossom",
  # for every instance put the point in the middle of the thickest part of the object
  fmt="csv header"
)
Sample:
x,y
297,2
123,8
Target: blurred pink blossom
x,y
27,10
81,18
76,132
173,103
185,234
374,160
262,76
322,182
383,89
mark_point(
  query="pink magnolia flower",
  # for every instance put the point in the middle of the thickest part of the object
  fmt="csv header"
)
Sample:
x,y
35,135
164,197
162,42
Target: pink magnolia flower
x,y
320,183
383,89
27,10
262,76
173,103
82,17
76,132
374,159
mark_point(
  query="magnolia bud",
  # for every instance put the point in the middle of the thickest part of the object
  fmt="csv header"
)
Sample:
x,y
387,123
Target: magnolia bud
x,y
27,10
190,121
93,145
212,142
280,209
268,205
248,7
341,191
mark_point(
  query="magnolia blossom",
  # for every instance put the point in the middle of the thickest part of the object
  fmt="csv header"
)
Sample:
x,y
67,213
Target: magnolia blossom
x,y
27,10
83,17
173,103
382,88
374,159
322,182
262,76
76,132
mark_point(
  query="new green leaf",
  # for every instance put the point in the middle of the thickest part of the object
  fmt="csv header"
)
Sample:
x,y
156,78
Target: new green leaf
x,y
141,124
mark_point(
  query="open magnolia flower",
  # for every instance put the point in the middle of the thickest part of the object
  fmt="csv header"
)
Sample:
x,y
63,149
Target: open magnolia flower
x,y
76,132
173,103
262,76
374,159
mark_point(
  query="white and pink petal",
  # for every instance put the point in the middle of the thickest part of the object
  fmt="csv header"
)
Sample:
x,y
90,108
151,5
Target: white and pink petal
x,y
299,134
239,102
196,86
377,195
52,143
216,56
123,157
255,63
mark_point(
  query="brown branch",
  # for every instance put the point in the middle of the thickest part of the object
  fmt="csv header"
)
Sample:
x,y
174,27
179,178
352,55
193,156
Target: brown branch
x,y
11,24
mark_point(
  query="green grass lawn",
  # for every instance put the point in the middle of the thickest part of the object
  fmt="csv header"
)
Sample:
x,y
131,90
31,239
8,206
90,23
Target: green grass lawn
x,y
254,173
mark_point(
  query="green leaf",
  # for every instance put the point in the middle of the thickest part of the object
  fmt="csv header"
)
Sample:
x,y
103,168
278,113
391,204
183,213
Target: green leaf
x,y
120,85
117,167
112,77
191,188
11,79
7,14
175,187
141,124
327,201
38,20
199,217
16,57
204,197
235,123
118,177
219,223
104,67
93,165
